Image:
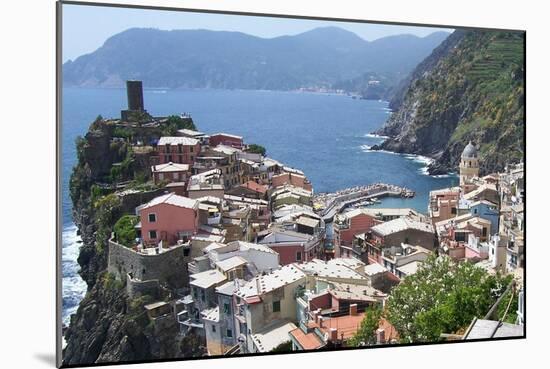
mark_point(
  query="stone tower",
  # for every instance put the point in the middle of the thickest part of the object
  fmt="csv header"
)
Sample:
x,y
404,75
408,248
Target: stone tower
x,y
469,167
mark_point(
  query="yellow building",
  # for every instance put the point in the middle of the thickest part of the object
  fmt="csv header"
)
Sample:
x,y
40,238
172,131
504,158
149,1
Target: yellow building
x,y
469,167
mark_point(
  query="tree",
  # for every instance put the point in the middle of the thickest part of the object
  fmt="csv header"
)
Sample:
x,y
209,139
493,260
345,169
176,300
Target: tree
x,y
366,334
124,230
256,149
175,123
443,296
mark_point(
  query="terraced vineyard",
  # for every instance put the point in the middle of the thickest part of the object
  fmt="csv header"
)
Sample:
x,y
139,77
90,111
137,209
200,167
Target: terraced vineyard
x,y
502,52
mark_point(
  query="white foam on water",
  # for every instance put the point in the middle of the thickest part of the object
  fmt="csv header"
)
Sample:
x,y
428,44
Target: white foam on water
x,y
373,135
367,148
73,287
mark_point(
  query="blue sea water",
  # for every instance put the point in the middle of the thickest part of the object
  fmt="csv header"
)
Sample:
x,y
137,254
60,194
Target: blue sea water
x,y
326,136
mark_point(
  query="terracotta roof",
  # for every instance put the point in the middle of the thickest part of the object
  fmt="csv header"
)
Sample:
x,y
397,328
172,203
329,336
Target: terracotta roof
x,y
172,199
346,325
251,185
308,341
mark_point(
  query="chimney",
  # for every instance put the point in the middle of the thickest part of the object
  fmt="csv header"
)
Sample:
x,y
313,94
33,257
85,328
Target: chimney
x,y
380,336
353,309
134,90
333,335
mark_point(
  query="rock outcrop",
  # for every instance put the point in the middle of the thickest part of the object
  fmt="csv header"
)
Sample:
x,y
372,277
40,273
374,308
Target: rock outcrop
x,y
109,326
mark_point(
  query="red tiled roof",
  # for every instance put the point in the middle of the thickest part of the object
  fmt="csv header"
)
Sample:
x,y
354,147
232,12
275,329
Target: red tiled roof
x,y
251,185
308,341
346,325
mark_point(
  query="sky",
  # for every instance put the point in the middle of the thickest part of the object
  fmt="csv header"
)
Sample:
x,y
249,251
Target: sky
x,y
86,28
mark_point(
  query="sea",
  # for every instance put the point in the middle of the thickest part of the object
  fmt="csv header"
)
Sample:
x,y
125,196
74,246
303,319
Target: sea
x,y
327,136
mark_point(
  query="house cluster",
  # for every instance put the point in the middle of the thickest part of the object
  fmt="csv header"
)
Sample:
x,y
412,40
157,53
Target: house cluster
x,y
258,267
243,301
481,220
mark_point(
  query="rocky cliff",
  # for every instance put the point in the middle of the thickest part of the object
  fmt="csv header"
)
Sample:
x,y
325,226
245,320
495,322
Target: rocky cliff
x,y
108,325
470,88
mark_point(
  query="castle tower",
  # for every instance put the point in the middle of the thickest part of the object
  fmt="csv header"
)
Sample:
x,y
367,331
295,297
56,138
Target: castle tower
x,y
134,90
469,167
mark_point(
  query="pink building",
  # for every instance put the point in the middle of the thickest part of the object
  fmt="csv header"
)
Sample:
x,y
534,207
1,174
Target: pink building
x,y
168,218
170,172
226,139
351,224
181,150
293,179
292,247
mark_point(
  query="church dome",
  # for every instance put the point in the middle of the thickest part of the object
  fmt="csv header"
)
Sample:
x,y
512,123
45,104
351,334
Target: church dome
x,y
470,151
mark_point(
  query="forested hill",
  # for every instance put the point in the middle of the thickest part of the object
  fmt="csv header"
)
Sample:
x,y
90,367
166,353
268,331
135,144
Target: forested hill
x,y
471,88
233,60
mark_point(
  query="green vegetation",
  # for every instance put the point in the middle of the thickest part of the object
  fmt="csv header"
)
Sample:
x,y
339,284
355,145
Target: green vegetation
x,y
442,297
124,169
256,149
366,334
124,230
283,347
509,306
110,282
475,92
175,123
106,211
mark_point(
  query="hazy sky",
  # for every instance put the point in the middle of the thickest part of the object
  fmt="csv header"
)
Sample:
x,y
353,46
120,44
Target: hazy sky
x,y
85,28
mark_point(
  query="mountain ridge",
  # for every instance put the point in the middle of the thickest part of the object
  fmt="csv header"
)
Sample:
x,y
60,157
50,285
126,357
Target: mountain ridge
x,y
227,59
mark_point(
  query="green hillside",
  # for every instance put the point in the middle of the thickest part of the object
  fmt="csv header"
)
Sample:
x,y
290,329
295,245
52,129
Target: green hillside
x,y
474,92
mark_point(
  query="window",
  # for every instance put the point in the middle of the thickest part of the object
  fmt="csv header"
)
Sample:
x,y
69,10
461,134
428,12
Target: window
x,y
299,256
153,235
191,148
152,217
161,176
226,308
213,328
276,306
453,210
229,333
175,176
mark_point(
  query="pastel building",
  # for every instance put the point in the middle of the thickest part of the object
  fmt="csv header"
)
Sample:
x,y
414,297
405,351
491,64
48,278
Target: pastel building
x,y
227,140
181,150
294,179
292,246
352,223
398,231
265,309
168,218
170,172
469,167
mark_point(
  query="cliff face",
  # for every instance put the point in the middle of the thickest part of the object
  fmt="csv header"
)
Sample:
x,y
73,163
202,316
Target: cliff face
x,y
470,88
108,325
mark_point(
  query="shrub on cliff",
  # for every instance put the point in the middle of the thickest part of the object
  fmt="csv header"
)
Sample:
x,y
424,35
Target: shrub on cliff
x,y
124,230
175,123
256,149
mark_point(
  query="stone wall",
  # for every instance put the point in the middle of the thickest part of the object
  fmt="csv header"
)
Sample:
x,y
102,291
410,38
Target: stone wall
x,y
168,267
135,287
